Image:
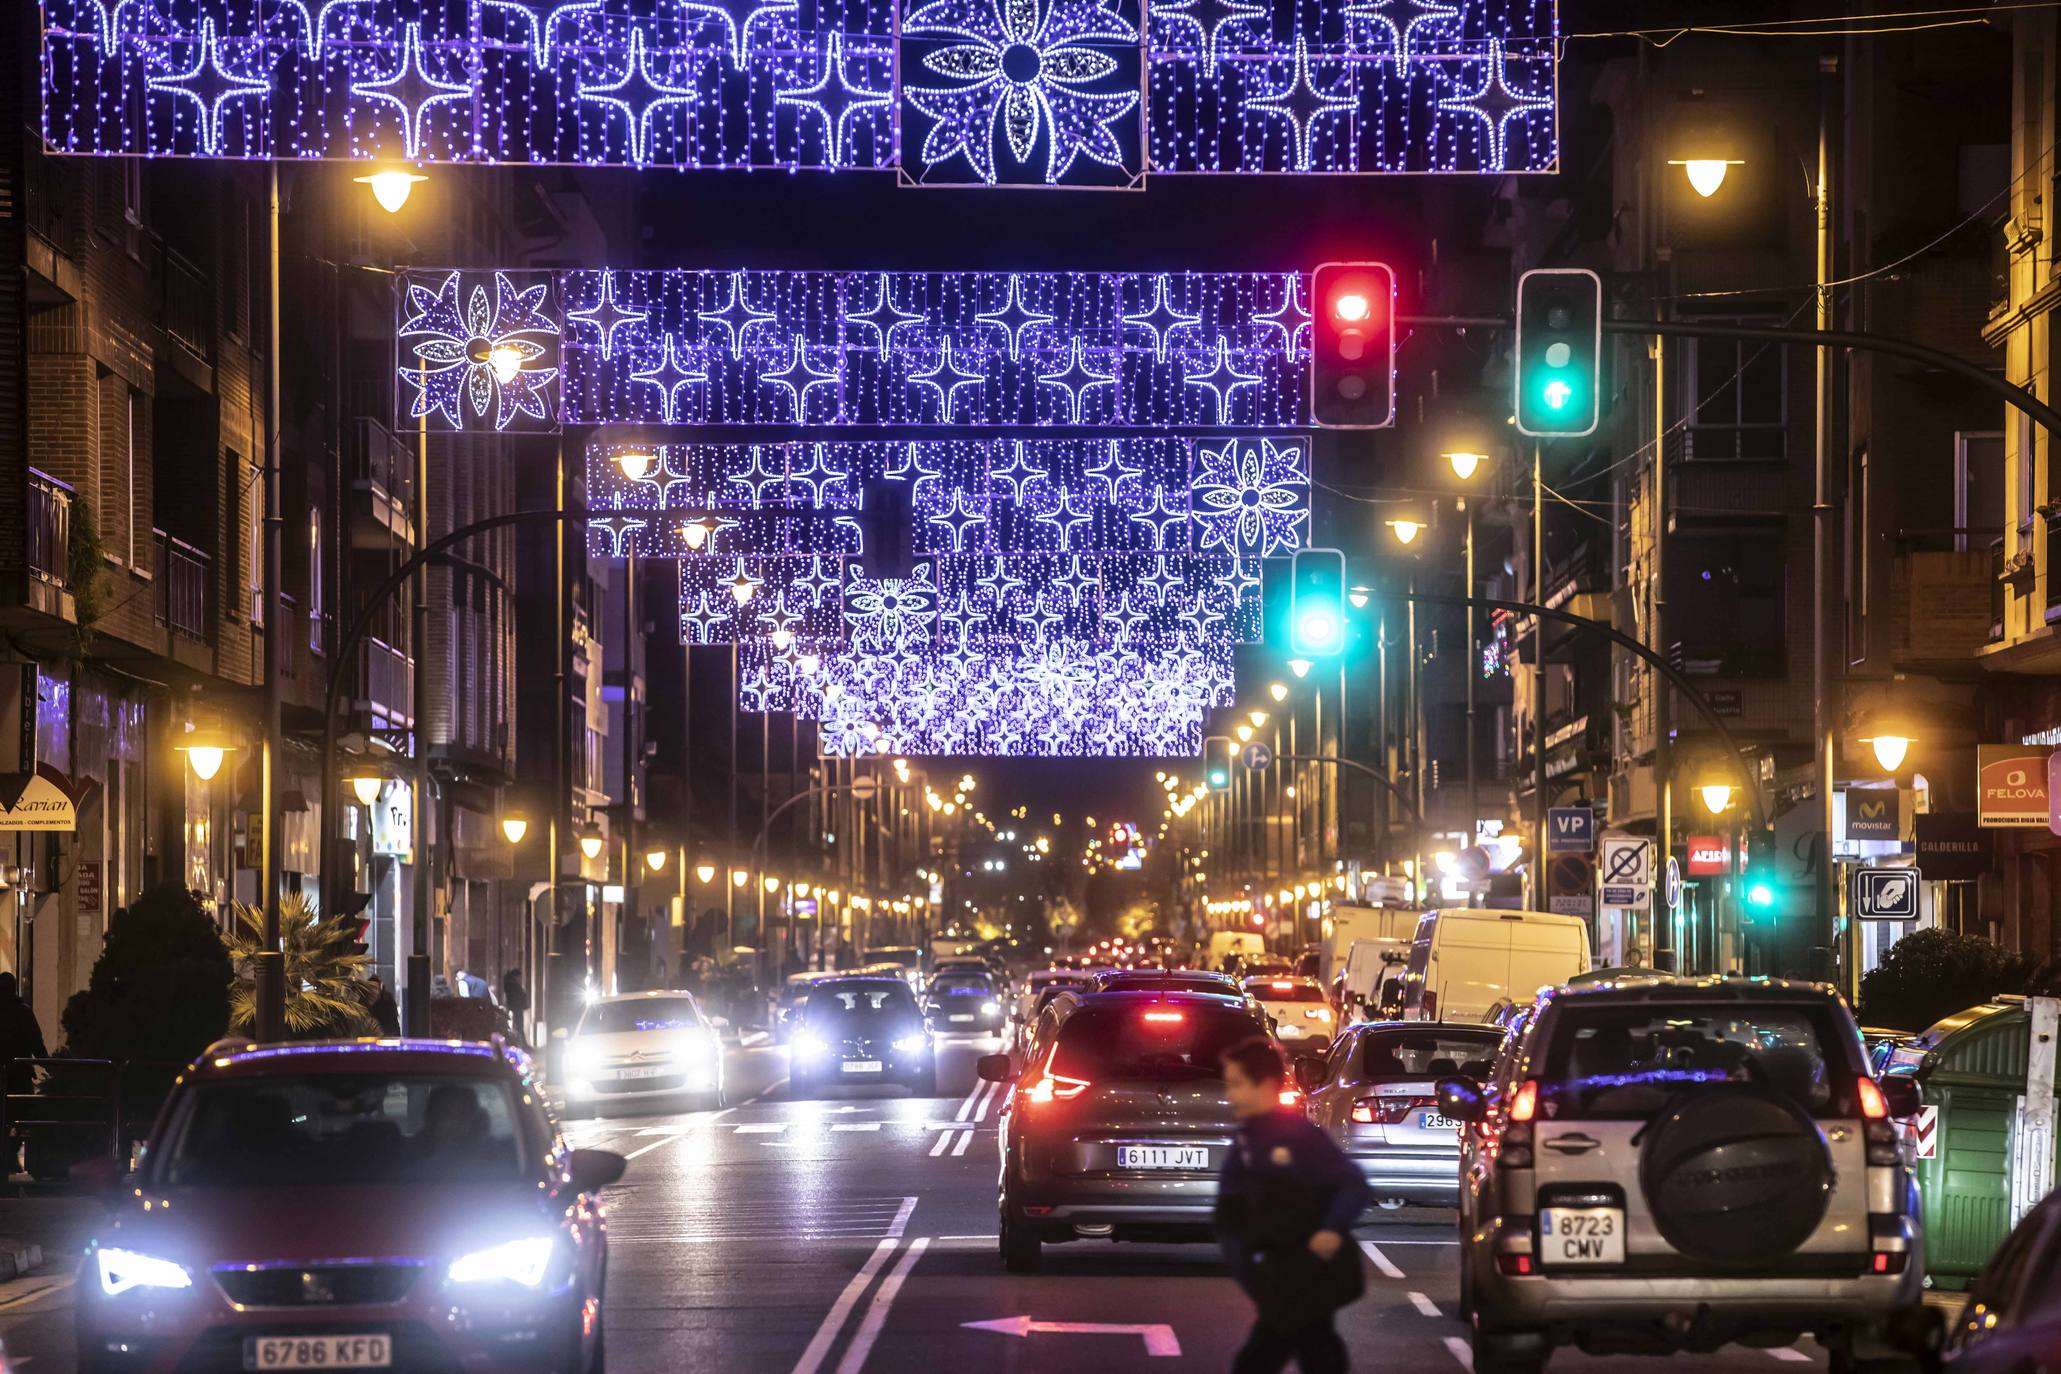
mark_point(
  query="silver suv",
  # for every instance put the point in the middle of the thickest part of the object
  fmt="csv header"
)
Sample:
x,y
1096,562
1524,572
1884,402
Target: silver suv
x,y
1661,1164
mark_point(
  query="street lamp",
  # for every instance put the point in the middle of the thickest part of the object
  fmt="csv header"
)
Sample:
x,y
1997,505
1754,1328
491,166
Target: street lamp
x,y
391,187
705,873
591,841
1706,174
695,533
738,877
1244,733
366,787
1299,666
1278,691
655,860
1258,718
1359,597
772,883
1890,750
742,589
636,464
1406,530
1717,797
205,748
1465,463
514,826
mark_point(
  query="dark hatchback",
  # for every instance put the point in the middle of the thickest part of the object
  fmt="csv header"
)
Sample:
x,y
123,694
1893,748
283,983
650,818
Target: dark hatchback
x,y
1118,1126
861,1030
368,1204
964,1002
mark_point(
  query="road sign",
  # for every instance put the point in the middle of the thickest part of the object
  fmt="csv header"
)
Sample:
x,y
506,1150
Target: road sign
x,y
1570,830
1159,1337
1925,1133
1627,872
1674,883
1257,755
864,787
1571,885
1886,894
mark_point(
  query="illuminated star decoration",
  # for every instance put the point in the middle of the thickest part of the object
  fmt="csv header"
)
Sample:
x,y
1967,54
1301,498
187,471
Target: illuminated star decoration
x,y
479,353
604,317
799,378
669,374
639,95
945,380
1495,104
412,91
1161,320
1028,74
1400,18
1076,379
1303,105
210,87
736,316
1014,318
1222,381
882,317
1208,18
834,100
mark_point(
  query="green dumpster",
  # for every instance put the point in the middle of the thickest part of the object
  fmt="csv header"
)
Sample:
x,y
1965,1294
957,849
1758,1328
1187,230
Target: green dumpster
x,y
1972,1071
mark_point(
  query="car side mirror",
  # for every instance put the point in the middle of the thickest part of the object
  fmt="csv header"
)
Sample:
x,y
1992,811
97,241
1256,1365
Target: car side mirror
x,y
1461,1099
99,1177
995,1068
1901,1094
719,1023
593,1170
1309,1074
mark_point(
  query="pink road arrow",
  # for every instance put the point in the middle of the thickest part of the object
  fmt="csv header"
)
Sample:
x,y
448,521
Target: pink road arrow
x,y
1159,1339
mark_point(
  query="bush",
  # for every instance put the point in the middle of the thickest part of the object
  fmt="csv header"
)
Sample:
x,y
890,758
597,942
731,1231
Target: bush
x,y
160,988
1931,974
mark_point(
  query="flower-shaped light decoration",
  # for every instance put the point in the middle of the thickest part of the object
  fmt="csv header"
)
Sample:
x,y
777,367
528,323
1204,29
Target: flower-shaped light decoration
x,y
891,613
1049,80
465,355
1251,495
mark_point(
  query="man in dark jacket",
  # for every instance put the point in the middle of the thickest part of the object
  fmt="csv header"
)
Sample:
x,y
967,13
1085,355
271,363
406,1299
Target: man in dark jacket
x,y
1286,1204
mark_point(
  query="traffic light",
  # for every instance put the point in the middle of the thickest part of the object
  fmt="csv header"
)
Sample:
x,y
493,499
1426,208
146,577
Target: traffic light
x,y
1352,322
1760,889
1216,763
1559,346
1316,603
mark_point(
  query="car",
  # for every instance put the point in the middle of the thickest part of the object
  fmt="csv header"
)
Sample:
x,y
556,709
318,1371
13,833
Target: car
x,y
1118,1126
1662,1164
1302,1014
964,1002
1041,987
861,1030
1882,1045
907,958
1374,1096
642,1048
1463,962
394,1203
2010,1321
1165,980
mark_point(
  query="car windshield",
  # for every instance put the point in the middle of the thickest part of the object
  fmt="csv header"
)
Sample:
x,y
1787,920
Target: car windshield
x,y
960,984
639,1014
1625,1062
1151,1040
347,1128
1400,1055
1269,991
869,1001
1151,984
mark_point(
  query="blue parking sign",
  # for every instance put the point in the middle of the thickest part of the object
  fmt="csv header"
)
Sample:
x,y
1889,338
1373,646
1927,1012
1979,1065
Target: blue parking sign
x,y
1570,830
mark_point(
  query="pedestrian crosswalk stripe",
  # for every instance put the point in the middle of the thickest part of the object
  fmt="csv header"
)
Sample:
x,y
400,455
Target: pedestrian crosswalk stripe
x,y
762,1128
856,1126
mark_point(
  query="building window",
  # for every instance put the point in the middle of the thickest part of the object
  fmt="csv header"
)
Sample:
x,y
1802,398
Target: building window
x,y
1978,488
1726,593
1739,401
254,541
316,610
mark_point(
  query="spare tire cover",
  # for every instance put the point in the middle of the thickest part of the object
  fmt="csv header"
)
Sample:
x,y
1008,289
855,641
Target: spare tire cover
x,y
1736,1174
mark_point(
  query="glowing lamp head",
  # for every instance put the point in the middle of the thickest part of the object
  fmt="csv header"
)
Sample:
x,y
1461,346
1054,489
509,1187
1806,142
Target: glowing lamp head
x,y
1406,531
1706,174
704,873
738,877
391,187
772,884
1717,797
655,860
366,787
1278,691
1244,733
514,827
1299,666
591,842
742,589
694,534
1351,307
1258,718
782,637
1890,751
636,464
205,749
809,663
1464,464
506,361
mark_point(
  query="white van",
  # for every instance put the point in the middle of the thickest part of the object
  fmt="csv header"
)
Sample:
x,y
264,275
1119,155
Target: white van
x,y
1246,944
1368,965
1347,923
1464,964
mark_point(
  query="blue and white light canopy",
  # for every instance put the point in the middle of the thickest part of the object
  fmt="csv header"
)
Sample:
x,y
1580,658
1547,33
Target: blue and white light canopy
x,y
1138,351
968,92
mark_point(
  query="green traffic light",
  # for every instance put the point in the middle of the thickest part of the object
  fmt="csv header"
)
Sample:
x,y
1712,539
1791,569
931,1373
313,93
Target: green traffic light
x,y
1760,893
1217,779
1318,628
1558,394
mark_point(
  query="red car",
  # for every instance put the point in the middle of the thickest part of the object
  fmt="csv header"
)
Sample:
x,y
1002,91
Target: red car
x,y
358,1204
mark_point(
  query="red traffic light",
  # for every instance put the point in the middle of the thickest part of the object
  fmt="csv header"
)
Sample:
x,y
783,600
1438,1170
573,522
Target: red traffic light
x,y
1352,345
1259,920
1351,306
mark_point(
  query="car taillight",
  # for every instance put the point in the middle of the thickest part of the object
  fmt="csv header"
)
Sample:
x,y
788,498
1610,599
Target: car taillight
x,y
1874,1106
1289,1097
1164,1016
1387,1111
1057,1087
1525,1101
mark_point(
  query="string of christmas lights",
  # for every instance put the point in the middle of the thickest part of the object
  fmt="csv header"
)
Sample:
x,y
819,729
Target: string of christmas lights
x,y
996,92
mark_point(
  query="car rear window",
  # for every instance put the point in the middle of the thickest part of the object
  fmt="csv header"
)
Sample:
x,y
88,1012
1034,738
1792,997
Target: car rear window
x,y
1268,991
1156,984
644,1014
347,1128
1408,1054
1624,1062
1149,1040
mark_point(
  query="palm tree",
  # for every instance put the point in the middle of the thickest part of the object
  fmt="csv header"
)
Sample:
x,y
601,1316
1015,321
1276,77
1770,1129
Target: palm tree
x,y
326,988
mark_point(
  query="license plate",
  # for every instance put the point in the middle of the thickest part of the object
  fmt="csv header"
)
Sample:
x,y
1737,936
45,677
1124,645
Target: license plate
x,y
318,1352
1291,1032
1162,1157
1432,1121
648,1071
962,1016
862,1066
1581,1235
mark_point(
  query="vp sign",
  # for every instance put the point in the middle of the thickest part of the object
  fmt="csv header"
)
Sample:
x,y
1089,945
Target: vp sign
x,y
1570,830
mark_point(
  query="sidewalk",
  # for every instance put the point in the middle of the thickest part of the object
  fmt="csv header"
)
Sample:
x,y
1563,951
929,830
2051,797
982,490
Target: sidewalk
x,y
35,1231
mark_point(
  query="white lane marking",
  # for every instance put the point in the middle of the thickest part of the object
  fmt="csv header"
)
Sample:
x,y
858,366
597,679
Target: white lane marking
x,y
1381,1261
761,1128
764,1093
966,1107
1391,1240
833,1321
1424,1304
876,1311
942,1239
987,1100
670,1136
944,1139
965,1139
1786,1352
856,1126
1159,1338
894,1228
1462,1351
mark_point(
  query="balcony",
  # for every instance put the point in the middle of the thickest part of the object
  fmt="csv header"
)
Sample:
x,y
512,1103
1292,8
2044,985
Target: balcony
x,y
386,686
182,587
383,469
49,529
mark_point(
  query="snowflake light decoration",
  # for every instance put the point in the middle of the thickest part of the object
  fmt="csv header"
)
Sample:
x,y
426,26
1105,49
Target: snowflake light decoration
x,y
469,357
1251,497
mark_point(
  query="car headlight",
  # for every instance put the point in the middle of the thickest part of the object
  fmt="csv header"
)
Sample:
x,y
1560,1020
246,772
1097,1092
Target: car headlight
x,y
693,1044
808,1044
909,1044
990,1008
120,1270
514,1261
583,1056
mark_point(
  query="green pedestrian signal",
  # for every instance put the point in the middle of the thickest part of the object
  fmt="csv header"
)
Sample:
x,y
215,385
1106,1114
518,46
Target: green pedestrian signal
x,y
1316,603
1216,763
1559,351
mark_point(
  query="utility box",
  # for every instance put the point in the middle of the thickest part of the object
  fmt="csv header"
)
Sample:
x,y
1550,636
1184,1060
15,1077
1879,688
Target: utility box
x,y
1974,1172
